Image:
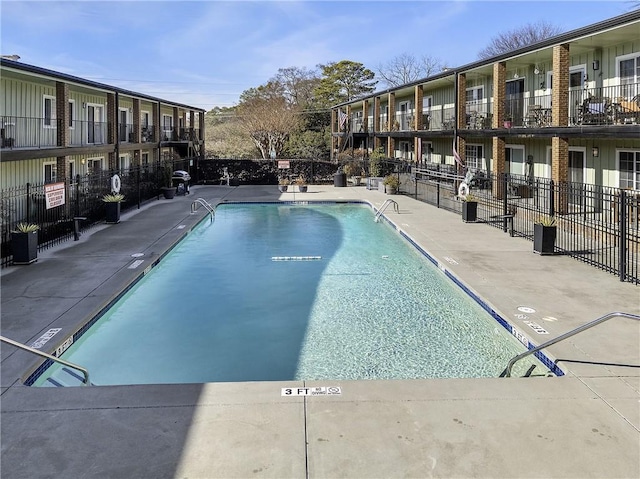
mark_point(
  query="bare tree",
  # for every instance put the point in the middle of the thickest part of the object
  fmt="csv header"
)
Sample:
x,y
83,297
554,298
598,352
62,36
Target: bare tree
x,y
298,84
519,38
406,68
268,121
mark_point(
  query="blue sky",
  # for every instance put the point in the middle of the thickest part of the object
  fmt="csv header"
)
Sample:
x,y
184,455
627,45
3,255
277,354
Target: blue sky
x,y
205,53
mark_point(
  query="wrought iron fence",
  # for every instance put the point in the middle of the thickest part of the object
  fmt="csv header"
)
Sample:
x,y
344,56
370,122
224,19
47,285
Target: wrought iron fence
x,y
83,199
597,225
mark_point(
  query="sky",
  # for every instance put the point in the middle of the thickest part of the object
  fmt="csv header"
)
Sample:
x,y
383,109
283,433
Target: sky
x,y
206,53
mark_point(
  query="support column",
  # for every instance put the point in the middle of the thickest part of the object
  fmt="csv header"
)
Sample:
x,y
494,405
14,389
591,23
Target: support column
x,y
560,91
499,93
461,107
62,125
376,122
112,127
334,139
391,104
365,116
418,101
136,121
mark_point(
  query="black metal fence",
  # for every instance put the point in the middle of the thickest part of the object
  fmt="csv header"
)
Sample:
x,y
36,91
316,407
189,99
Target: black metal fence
x,y
83,206
598,225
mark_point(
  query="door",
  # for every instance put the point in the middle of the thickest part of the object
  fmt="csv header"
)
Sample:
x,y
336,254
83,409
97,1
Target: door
x,y
122,130
514,156
576,176
405,116
514,101
91,124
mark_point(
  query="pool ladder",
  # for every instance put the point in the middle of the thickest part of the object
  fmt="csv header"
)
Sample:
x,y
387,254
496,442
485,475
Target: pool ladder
x,y
205,203
85,373
616,314
384,206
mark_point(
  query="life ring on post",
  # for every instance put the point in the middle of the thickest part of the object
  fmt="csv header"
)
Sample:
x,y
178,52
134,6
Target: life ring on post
x,y
115,184
463,189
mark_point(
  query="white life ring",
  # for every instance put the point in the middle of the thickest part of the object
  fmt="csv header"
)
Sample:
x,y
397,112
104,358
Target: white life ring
x,y
463,189
115,184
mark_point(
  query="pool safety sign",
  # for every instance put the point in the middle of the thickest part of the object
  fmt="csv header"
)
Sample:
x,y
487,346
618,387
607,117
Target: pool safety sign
x,y
315,391
54,195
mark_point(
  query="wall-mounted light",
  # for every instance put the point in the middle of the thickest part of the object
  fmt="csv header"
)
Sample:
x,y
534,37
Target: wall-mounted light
x,y
595,152
536,70
596,65
515,75
542,85
84,104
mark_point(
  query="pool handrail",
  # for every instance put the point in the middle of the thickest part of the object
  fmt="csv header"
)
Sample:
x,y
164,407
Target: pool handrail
x,y
205,203
24,347
507,371
386,203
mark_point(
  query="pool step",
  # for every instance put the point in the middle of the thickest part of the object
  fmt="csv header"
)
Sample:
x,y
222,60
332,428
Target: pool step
x,y
64,377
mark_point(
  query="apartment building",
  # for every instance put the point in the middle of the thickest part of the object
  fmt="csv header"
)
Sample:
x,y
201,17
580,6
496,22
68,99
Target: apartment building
x,y
56,126
566,109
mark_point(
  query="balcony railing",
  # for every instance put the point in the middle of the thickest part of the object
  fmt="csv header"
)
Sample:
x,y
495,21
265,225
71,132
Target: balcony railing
x,y
88,133
23,132
615,105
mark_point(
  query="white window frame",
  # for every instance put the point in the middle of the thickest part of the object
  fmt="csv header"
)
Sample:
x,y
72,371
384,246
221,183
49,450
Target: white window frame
x,y
635,184
52,117
92,161
146,115
575,68
524,159
480,161
124,162
630,56
53,170
72,114
583,150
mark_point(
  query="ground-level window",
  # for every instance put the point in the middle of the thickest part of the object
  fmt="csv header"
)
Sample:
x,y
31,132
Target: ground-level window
x,y
124,163
50,172
145,159
629,167
94,165
474,156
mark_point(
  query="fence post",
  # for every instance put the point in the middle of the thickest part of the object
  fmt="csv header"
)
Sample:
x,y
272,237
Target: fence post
x,y
438,187
552,206
77,195
622,246
29,201
138,185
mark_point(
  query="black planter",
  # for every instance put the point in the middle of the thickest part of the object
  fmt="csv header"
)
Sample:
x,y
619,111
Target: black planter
x,y
544,239
168,193
340,180
24,247
113,212
469,211
283,188
302,188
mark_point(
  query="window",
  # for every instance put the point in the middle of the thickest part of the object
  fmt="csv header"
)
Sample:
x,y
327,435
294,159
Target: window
x,y
629,162
124,163
474,98
94,165
474,156
145,119
629,73
50,172
49,111
72,112
145,159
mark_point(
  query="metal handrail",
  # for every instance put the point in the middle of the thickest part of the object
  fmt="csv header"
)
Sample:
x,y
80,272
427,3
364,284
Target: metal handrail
x,y
204,203
24,347
384,206
507,372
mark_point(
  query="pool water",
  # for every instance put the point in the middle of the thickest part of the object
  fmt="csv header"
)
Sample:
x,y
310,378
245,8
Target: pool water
x,y
293,292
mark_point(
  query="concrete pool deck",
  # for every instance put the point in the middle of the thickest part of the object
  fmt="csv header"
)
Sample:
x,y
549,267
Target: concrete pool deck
x,y
585,424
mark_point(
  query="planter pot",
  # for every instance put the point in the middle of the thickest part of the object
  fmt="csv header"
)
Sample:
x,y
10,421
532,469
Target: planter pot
x,y
24,247
283,188
391,190
469,211
168,193
340,180
113,212
544,239
507,124
302,188
356,180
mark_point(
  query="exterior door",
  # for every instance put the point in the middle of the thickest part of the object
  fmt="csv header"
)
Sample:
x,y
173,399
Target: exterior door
x,y
576,176
514,99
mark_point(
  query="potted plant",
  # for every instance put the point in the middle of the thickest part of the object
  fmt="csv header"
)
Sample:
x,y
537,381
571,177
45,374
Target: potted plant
x,y
507,121
301,182
283,185
112,206
544,235
469,208
24,243
167,183
391,183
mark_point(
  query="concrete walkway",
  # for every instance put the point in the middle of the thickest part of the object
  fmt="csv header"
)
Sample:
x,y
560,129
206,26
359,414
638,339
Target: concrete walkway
x,y
585,424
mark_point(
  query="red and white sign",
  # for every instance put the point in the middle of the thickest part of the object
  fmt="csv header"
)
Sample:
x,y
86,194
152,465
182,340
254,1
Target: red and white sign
x,y
283,164
54,195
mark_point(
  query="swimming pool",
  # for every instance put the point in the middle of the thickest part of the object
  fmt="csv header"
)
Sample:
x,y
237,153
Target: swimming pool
x,y
292,292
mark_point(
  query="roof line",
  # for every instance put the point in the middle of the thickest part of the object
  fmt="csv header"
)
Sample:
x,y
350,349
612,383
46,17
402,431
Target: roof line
x,y
617,21
83,81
